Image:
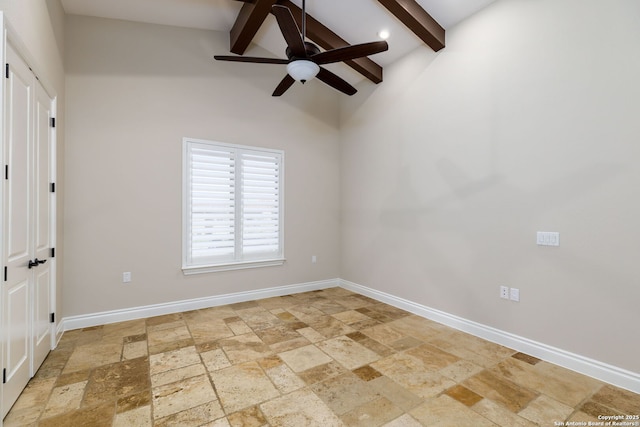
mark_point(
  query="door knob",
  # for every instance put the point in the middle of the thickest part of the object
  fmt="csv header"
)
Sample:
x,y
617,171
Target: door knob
x,y
36,262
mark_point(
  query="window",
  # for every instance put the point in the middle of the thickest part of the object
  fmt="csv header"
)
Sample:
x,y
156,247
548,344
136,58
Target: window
x,y
233,206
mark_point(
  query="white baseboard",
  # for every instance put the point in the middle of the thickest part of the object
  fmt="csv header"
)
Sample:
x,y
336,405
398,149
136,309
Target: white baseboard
x,y
575,362
106,317
584,365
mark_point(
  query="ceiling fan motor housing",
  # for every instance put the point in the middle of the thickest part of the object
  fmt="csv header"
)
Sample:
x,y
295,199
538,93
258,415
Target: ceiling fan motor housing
x,y
310,48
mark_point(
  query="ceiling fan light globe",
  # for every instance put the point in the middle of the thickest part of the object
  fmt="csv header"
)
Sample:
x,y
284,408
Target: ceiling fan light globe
x,y
302,70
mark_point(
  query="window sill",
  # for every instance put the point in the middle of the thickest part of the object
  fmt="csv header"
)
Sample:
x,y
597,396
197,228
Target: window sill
x,y
187,271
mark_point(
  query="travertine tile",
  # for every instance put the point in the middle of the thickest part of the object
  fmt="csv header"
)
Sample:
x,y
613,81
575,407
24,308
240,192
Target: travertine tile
x,y
398,395
35,394
330,327
328,306
366,373
622,400
258,318
300,408
405,420
182,395
384,334
133,350
133,401
95,416
244,348
173,360
221,422
64,399
432,358
284,378
124,329
111,382
417,327
92,355
500,414
249,417
321,358
463,395
193,417
322,372
139,417
409,372
311,334
239,328
500,390
178,374
283,346
277,334
215,359
304,358
211,330
350,316
546,411
564,385
461,370
446,412
243,385
348,352
344,393
526,358
23,416
164,336
465,346
373,413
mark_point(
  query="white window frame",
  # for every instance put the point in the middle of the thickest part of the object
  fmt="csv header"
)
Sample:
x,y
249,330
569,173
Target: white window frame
x,y
239,260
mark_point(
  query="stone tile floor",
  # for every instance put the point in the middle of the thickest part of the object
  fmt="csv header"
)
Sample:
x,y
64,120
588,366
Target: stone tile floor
x,y
324,358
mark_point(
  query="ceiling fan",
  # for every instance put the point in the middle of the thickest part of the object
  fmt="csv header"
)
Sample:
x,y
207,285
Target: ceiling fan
x,y
305,58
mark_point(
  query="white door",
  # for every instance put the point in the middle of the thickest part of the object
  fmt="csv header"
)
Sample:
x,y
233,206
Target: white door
x,y
17,236
42,214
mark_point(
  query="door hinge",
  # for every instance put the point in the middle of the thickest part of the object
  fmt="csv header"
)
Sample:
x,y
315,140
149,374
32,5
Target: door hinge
x,y
53,318
53,187
53,252
6,68
4,375
5,273
53,122
6,171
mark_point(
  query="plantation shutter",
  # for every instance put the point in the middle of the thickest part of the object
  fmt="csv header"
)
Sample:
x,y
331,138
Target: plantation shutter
x,y
212,196
260,204
232,205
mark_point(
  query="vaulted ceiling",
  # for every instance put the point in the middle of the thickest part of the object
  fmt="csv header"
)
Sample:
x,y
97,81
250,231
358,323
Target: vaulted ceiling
x,y
330,23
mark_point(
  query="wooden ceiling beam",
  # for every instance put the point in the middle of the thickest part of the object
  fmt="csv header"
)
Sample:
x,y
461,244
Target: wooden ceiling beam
x,y
327,39
247,24
414,17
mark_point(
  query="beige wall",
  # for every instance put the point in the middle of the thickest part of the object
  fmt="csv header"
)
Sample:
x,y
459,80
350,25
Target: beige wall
x,y
134,91
527,121
38,26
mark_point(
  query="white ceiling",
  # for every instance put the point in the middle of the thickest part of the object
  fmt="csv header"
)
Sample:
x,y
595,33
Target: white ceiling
x,y
356,21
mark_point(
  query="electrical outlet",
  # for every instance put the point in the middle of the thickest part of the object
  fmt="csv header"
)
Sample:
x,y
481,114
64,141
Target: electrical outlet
x,y
514,294
504,292
126,277
548,238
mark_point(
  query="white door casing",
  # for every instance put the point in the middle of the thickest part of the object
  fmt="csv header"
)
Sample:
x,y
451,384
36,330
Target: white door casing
x,y
42,214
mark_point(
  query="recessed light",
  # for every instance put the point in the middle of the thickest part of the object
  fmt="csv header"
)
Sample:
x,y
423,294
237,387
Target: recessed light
x,y
383,34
